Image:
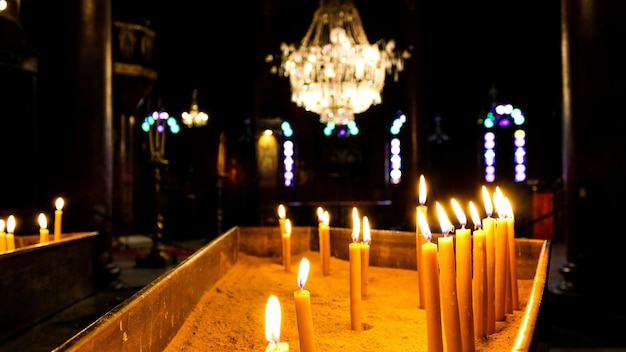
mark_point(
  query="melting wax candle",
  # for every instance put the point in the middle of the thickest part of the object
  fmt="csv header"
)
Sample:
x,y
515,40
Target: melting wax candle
x,y
479,281
355,273
304,316
464,278
43,228
431,288
419,238
447,282
273,317
58,214
365,256
324,241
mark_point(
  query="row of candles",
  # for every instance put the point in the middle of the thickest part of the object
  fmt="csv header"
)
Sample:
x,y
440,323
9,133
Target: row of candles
x,y
467,282
7,229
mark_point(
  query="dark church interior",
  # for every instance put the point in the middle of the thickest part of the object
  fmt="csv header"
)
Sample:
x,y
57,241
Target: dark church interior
x,y
80,80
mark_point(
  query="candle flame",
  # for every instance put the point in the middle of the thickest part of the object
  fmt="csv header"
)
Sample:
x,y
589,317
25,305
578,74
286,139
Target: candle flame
x,y
272,320
498,201
423,224
59,203
11,224
487,201
326,218
2,225
422,190
287,227
320,213
367,236
475,216
281,211
303,272
43,222
356,225
459,213
446,225
508,208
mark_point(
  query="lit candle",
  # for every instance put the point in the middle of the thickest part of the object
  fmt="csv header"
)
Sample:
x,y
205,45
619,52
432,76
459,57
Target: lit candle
x,y
3,237
58,214
11,233
464,278
489,226
273,317
304,316
282,214
419,238
324,234
501,256
355,273
479,282
286,239
365,256
431,288
43,228
512,254
447,280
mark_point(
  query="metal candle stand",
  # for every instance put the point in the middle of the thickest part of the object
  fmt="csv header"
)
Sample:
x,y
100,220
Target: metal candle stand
x,y
156,125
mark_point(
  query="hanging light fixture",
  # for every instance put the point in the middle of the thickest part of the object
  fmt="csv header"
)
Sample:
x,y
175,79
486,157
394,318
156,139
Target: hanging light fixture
x,y
195,117
336,72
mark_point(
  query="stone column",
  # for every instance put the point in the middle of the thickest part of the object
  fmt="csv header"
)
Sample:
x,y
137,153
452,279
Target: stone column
x,y
594,155
88,153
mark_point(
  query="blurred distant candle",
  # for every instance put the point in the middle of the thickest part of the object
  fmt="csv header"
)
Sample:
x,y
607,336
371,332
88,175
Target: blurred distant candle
x,y
365,256
419,238
11,233
3,237
464,278
286,239
43,228
502,264
304,316
447,280
489,226
324,238
479,282
431,288
58,214
273,317
355,273
512,255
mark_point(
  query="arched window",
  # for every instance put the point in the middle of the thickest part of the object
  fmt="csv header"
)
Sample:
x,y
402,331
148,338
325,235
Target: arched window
x,y
395,148
288,154
504,144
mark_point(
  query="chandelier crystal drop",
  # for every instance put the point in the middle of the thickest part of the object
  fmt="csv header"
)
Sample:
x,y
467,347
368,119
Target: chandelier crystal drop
x,y
336,72
195,117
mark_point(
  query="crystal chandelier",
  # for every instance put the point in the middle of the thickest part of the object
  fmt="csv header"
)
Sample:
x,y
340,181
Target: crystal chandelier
x,y
336,72
195,117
